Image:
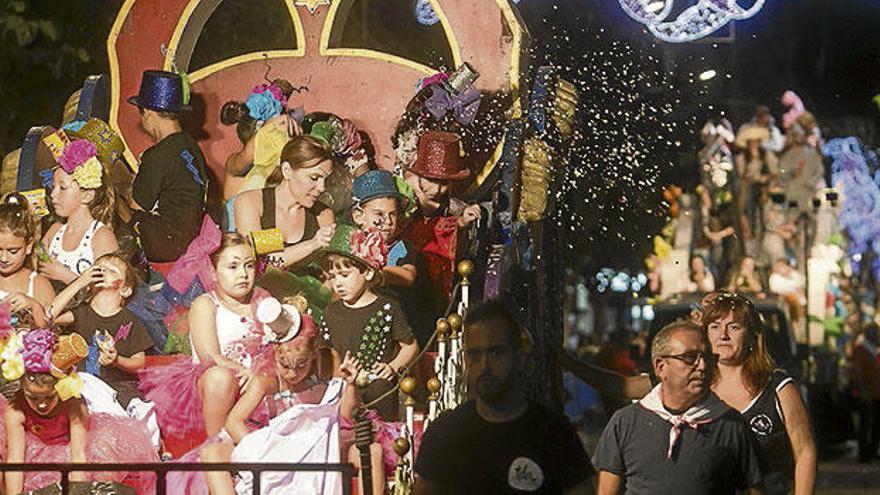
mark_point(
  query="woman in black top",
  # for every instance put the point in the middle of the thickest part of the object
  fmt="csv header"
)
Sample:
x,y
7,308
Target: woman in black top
x,y
769,401
291,202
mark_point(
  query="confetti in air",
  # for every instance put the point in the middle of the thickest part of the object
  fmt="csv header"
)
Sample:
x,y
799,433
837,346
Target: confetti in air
x,y
610,191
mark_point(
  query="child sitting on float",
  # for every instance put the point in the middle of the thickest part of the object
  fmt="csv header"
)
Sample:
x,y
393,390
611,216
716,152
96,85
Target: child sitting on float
x,y
81,198
117,339
286,417
263,126
47,422
193,396
27,292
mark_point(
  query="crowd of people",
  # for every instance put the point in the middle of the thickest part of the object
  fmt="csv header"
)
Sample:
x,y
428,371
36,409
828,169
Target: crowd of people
x,y
754,211
108,273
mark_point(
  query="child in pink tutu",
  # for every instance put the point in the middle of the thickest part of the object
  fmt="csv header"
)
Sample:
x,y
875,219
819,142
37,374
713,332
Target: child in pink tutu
x,y
26,291
296,382
194,396
47,422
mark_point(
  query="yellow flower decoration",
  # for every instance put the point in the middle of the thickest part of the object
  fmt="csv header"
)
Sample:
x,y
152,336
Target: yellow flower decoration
x,y
70,386
88,175
13,362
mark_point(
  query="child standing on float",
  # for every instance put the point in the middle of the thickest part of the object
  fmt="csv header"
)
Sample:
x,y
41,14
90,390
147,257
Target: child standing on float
x,y
85,206
194,396
20,285
46,421
370,326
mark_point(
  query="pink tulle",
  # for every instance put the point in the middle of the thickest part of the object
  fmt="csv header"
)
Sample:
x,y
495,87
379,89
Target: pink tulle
x,y
193,482
173,388
384,433
110,439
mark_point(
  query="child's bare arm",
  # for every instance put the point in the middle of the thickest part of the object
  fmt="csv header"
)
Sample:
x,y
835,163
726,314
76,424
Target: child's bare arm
x,y
79,426
349,370
401,276
56,312
406,355
131,364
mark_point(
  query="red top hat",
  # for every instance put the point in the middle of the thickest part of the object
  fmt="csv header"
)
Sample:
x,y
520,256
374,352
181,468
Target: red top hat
x,y
438,157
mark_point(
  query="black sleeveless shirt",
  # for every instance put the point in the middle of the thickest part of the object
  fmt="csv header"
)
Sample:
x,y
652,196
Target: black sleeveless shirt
x,y
267,219
767,426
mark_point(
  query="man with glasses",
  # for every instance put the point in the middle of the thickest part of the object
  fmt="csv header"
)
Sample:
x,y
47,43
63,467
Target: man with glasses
x,y
499,442
680,438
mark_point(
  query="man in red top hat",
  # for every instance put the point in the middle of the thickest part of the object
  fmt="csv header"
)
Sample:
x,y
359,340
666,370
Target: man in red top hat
x,y
437,166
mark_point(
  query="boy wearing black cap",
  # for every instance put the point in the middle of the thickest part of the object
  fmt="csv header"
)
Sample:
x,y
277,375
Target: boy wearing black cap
x,y
169,191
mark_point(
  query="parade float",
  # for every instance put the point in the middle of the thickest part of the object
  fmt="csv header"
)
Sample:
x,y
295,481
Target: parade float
x,y
515,139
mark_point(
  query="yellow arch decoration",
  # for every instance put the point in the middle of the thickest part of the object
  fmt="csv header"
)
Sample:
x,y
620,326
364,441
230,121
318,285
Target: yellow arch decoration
x,y
184,20
509,14
325,49
113,60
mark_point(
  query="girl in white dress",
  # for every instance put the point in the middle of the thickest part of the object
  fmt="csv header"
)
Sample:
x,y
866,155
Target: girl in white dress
x,y
194,395
85,205
26,291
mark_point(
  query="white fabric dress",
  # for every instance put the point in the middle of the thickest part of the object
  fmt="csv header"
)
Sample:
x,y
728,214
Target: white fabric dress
x,y
303,433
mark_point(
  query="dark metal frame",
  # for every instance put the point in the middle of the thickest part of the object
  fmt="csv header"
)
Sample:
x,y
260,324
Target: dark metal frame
x,y
162,469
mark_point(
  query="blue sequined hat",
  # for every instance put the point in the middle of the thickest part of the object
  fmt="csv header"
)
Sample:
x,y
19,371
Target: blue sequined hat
x,y
376,184
161,91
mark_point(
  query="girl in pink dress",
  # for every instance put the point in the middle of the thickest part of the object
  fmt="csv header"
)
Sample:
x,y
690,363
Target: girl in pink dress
x,y
295,382
46,421
193,396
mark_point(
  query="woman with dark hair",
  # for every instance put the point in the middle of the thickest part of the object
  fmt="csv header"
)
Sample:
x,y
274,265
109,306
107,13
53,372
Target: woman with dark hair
x,y
769,401
290,202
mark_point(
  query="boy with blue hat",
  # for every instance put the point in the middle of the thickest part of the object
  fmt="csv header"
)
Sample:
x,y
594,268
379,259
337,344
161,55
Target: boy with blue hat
x,y
170,188
379,204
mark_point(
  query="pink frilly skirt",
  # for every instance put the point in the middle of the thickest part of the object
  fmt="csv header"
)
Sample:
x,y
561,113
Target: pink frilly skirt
x,y
174,389
110,439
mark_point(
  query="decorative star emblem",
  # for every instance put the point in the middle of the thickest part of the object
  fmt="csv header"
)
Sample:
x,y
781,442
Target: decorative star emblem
x,y
312,5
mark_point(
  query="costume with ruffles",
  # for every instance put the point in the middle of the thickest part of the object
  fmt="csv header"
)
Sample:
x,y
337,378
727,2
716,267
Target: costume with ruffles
x,y
290,427
110,439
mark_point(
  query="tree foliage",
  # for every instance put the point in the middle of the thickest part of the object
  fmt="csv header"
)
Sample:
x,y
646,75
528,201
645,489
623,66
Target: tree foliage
x,y
47,48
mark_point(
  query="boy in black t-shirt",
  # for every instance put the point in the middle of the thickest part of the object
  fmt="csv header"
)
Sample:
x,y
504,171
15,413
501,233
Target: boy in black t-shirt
x,y
169,191
378,204
499,442
117,339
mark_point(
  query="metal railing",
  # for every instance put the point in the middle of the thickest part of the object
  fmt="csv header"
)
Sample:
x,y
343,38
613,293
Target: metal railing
x,y
161,470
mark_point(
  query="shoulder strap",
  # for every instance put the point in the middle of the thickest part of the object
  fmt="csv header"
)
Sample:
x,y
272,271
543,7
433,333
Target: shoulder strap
x,y
30,290
311,227
267,219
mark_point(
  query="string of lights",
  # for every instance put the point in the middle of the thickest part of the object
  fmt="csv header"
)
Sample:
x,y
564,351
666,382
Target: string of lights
x,y
695,22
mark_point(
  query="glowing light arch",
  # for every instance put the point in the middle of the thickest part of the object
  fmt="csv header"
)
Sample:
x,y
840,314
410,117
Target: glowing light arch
x,y
695,22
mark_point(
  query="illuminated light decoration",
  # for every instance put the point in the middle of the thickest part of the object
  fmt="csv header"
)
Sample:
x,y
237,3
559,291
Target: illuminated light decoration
x,y
860,212
706,75
425,12
695,22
